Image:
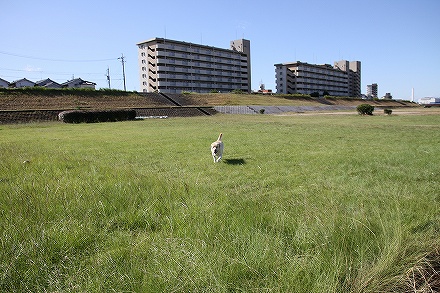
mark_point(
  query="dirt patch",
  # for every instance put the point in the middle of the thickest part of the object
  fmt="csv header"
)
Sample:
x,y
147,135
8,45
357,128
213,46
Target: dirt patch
x,y
425,275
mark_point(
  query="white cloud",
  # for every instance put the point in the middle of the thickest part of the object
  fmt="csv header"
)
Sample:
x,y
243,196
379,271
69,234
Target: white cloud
x,y
243,25
30,68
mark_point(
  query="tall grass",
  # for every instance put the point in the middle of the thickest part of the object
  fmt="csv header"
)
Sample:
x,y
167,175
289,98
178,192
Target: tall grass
x,y
298,204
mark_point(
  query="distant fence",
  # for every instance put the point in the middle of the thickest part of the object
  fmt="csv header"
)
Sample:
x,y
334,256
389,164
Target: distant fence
x,y
235,109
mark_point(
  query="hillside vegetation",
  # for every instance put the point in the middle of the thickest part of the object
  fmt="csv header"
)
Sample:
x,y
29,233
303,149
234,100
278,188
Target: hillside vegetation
x,y
53,99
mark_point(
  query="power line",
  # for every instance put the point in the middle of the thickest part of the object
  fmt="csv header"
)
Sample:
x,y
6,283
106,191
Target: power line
x,y
55,60
49,72
8,69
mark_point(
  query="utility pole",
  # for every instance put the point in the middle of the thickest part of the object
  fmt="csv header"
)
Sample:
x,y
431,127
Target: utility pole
x,y
108,77
123,69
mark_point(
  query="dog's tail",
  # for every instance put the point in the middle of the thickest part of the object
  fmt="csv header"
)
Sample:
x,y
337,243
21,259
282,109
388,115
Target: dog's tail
x,y
220,137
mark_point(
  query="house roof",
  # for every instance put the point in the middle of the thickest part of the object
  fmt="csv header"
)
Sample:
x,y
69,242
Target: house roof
x,y
46,82
77,81
22,79
14,83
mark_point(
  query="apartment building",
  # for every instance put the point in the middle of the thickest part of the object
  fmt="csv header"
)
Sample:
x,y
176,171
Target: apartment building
x,y
372,90
171,66
304,78
353,68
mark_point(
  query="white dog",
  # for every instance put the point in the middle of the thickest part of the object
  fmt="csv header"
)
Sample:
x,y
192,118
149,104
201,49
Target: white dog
x,y
217,149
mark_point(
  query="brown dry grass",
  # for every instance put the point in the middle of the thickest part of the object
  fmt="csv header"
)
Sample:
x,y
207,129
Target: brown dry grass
x,y
137,100
286,100
39,102
424,276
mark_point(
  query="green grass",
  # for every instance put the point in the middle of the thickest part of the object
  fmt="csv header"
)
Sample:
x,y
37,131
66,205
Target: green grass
x,y
298,204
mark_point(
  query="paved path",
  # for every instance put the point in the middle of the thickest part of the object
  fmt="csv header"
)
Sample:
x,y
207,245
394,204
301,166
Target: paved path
x,y
278,109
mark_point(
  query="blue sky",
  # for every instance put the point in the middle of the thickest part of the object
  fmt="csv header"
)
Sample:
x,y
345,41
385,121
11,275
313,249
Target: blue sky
x,y
397,41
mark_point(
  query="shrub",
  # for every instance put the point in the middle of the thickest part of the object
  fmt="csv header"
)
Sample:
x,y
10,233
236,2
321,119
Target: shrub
x,y
365,109
261,111
293,96
81,116
387,111
237,91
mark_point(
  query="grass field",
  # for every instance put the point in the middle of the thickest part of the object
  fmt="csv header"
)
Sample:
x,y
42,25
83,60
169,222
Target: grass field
x,y
317,203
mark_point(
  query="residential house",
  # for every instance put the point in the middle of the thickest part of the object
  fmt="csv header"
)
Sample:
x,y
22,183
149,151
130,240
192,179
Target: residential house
x,y
22,83
78,83
48,83
4,83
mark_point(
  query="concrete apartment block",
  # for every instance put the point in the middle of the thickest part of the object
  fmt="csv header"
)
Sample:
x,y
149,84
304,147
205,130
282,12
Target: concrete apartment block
x,y
171,66
342,79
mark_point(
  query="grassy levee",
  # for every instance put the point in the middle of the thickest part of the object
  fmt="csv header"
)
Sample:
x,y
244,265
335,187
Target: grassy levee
x,y
335,203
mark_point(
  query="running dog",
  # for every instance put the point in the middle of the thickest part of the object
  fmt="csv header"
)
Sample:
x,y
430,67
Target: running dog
x,y
217,149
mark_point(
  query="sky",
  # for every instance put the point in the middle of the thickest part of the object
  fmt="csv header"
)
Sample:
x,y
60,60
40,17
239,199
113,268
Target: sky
x,y
397,41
